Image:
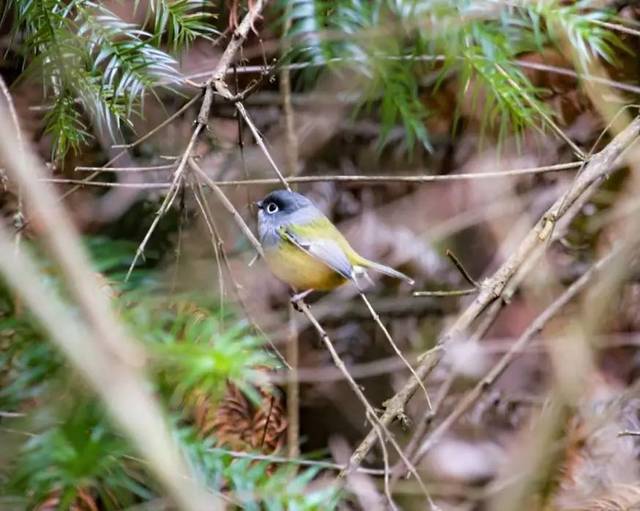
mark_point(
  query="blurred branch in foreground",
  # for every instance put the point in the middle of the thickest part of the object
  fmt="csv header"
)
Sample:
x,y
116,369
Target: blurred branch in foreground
x,y
97,346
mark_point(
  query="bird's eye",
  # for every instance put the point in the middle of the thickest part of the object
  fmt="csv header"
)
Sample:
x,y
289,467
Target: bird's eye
x,y
272,208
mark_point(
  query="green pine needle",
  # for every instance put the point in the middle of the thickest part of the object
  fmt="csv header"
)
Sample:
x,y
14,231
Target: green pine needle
x,y
478,43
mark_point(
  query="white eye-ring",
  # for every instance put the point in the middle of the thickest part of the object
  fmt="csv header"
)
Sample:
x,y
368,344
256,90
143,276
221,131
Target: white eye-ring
x,y
272,208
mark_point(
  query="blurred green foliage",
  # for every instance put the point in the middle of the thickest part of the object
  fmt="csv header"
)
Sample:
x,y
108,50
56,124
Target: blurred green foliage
x,y
64,448
404,48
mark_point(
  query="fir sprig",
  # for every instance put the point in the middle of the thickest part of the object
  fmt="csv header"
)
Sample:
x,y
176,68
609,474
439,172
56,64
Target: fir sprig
x,y
180,22
97,67
77,454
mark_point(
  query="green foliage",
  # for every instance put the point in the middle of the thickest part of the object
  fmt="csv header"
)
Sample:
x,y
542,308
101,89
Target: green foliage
x,y
397,44
193,350
254,485
579,23
80,453
95,65
70,450
181,21
26,360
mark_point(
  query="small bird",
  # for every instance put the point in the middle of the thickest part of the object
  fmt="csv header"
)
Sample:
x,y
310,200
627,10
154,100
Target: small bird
x,y
304,249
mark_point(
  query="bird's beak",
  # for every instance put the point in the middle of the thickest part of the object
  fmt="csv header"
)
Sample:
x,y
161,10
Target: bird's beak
x,y
258,204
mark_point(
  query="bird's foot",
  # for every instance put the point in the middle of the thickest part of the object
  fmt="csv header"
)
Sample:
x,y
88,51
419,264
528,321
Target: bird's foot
x,y
298,297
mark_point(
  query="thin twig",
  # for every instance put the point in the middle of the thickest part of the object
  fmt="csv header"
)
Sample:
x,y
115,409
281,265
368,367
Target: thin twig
x,y
148,168
393,344
214,238
261,144
216,79
463,271
492,288
426,58
445,293
168,199
291,461
454,292
381,179
371,415
385,461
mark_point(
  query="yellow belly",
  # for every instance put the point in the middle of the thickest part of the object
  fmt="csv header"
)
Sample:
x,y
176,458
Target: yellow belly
x,y
300,270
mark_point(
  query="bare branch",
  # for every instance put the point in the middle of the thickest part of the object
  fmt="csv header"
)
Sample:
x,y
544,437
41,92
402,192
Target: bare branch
x,y
393,344
428,58
516,349
217,77
364,179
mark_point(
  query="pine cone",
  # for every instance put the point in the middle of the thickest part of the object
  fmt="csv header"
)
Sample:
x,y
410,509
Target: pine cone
x,y
229,421
238,424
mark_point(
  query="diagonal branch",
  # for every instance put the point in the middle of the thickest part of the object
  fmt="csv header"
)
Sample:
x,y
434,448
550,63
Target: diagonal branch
x,y
514,350
531,247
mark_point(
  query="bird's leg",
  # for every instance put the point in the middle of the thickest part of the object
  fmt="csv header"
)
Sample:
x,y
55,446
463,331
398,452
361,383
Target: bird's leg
x,y
298,297
358,272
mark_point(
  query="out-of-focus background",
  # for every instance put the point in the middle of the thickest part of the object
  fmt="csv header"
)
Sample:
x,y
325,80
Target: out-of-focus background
x,y
149,360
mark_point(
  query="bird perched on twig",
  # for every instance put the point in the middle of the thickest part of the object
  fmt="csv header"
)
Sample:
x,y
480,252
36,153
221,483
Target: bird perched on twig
x,y
304,249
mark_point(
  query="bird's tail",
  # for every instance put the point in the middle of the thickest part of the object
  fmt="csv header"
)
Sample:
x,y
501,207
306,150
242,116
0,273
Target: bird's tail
x,y
386,270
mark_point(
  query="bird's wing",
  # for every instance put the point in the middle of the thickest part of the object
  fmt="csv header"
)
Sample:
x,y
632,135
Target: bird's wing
x,y
325,250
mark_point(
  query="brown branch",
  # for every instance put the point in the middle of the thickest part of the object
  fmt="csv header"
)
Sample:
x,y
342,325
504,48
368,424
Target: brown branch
x,y
565,71
116,170
381,179
378,428
534,328
492,288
